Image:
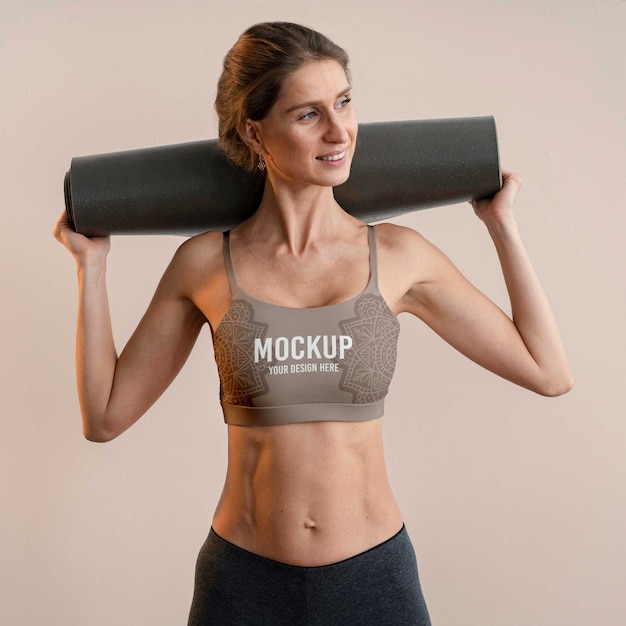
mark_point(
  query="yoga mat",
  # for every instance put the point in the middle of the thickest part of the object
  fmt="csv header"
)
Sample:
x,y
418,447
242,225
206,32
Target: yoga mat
x,y
190,188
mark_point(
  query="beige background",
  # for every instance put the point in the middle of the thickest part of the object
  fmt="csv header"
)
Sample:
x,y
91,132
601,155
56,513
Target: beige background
x,y
516,503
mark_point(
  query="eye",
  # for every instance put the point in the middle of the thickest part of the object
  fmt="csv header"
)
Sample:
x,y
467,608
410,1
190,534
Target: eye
x,y
309,116
345,102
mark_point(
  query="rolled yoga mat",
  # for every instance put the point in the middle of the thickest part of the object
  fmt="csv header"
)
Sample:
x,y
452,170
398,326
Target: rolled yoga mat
x,y
190,188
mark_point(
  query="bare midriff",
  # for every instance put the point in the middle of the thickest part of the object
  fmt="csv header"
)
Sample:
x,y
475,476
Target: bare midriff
x,y
307,494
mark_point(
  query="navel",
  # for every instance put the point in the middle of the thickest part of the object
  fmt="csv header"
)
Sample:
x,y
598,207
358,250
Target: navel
x,y
309,523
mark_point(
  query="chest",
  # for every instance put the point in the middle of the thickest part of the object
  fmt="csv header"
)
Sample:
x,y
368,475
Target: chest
x,y
269,355
316,281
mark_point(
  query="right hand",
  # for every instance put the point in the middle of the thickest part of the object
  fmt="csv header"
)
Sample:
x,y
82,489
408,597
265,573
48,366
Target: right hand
x,y
82,248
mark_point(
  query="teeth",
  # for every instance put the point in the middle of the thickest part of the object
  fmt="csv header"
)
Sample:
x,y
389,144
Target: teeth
x,y
334,157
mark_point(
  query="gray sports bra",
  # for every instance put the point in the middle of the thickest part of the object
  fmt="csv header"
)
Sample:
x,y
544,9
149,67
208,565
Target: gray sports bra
x,y
281,365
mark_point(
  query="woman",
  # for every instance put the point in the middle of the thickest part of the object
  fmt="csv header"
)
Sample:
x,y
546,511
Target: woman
x,y
302,300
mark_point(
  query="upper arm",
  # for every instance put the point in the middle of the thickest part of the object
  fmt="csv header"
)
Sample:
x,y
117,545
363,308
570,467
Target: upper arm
x,y
160,345
435,291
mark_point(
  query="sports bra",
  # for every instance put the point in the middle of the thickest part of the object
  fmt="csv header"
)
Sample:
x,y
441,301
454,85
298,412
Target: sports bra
x,y
282,365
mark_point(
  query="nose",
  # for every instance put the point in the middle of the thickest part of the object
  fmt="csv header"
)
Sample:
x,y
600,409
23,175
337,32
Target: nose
x,y
336,131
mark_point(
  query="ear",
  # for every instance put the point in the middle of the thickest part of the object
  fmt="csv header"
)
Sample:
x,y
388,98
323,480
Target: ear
x,y
250,133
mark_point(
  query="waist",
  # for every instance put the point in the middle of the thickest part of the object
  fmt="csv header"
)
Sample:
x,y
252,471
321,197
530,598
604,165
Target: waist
x,y
310,539
307,494
398,537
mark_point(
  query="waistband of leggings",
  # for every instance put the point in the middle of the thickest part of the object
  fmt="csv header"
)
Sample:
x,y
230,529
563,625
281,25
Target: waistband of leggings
x,y
381,546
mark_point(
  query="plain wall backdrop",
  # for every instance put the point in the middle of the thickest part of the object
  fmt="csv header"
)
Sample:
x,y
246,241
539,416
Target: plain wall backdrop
x,y
516,503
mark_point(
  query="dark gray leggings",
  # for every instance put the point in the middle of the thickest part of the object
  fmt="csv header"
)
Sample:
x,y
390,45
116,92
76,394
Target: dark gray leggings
x,y
378,587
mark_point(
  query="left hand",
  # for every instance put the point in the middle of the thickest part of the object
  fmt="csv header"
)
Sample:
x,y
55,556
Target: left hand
x,y
501,205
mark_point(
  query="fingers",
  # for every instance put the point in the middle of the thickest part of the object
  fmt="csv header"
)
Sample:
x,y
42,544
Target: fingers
x,y
511,179
511,185
61,226
80,246
500,206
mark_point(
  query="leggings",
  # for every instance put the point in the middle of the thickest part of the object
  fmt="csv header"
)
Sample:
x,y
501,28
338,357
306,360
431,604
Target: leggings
x,y
379,587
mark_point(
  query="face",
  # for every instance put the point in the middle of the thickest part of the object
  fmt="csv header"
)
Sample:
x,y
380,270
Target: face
x,y
309,135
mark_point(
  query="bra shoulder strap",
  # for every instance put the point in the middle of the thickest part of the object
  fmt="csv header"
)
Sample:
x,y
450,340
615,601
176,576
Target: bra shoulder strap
x,y
228,261
371,235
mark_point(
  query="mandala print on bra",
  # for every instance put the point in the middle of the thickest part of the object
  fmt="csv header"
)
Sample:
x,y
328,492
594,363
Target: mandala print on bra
x,y
241,378
374,331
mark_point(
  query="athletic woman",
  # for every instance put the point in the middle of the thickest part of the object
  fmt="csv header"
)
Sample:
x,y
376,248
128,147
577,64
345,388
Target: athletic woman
x,y
302,300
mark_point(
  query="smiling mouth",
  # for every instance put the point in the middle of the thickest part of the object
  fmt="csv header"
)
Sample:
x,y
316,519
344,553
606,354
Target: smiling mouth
x,y
332,157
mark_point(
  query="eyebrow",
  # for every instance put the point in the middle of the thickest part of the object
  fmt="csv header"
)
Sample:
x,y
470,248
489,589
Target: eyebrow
x,y
305,105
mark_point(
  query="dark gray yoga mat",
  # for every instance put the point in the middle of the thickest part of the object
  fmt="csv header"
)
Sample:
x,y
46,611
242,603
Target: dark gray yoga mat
x,y
190,188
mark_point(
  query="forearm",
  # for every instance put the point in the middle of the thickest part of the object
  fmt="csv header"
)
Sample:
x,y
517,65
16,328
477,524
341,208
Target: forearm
x,y
96,356
531,311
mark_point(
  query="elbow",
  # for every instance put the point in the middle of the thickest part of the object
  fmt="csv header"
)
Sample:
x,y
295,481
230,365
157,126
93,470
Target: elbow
x,y
555,386
96,436
104,426
98,433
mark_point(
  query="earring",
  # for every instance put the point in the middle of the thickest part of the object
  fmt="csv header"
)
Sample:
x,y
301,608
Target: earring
x,y
261,164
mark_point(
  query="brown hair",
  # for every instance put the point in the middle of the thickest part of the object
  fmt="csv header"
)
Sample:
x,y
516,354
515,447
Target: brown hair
x,y
253,73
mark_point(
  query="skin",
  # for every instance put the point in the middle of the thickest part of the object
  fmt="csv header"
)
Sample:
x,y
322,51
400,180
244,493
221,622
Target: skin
x,y
313,493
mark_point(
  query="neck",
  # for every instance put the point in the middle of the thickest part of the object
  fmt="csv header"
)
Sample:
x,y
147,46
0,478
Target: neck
x,y
296,217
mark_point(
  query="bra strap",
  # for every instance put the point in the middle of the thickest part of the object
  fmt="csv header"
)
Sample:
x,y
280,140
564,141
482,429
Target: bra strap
x,y
232,278
371,236
228,261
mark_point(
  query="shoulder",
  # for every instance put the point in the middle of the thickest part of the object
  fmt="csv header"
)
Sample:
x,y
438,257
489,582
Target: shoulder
x,y
195,259
391,237
404,247
200,252
201,246
405,259
197,275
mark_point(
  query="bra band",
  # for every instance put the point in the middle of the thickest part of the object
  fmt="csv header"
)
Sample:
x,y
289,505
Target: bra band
x,y
236,415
